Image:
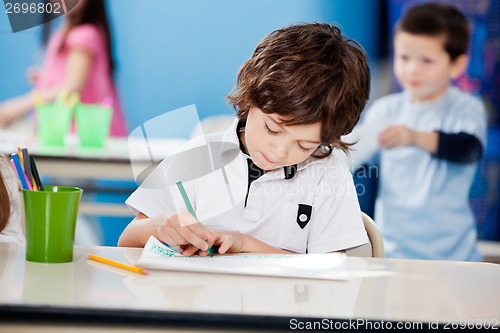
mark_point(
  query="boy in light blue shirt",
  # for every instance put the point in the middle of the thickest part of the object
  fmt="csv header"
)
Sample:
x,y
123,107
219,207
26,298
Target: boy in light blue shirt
x,y
430,138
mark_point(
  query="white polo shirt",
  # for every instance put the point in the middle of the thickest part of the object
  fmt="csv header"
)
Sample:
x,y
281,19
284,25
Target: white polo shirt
x,y
316,210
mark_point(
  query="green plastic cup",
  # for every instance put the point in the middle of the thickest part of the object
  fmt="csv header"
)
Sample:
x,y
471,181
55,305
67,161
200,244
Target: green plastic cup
x,y
53,121
50,223
92,124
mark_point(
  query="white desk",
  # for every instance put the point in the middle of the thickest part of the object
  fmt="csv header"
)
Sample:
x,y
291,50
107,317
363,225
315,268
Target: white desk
x,y
71,162
89,293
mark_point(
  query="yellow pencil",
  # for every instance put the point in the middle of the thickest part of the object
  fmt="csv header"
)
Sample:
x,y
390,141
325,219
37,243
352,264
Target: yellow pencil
x,y
20,154
35,186
118,264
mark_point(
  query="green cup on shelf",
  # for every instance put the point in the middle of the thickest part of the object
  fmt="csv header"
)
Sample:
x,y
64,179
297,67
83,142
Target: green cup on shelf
x,y
92,124
53,121
50,223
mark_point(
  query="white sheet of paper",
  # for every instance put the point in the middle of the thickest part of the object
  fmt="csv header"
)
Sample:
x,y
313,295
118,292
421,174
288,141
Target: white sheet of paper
x,y
324,266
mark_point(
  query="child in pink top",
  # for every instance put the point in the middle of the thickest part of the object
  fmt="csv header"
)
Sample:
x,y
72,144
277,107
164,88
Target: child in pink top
x,y
77,59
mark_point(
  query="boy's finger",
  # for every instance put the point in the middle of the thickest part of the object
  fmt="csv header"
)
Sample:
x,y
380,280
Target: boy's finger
x,y
203,253
202,232
189,251
226,244
212,237
192,238
186,219
176,238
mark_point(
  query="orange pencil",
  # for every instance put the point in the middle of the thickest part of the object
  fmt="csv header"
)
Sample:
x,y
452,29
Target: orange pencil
x,y
21,159
118,264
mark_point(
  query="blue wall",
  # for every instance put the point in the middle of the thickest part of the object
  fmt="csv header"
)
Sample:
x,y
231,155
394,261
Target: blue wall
x,y
172,53
17,52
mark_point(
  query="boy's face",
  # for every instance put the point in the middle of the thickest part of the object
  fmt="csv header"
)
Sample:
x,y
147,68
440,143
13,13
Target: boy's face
x,y
272,146
422,66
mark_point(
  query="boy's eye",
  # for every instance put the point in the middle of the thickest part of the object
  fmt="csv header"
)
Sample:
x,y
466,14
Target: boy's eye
x,y
270,131
304,148
427,61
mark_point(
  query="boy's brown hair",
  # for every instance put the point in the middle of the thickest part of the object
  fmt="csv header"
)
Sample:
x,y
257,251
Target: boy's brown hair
x,y
306,73
433,19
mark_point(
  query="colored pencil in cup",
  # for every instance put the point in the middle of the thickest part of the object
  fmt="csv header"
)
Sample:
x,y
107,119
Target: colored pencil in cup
x,y
25,159
20,171
27,168
36,176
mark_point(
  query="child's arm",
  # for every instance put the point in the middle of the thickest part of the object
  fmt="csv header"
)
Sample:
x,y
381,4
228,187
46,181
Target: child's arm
x,y
183,229
77,69
137,232
14,108
453,147
173,229
400,135
76,74
234,242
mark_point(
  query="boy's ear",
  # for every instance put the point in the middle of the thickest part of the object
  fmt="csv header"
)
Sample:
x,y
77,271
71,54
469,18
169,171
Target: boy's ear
x,y
459,66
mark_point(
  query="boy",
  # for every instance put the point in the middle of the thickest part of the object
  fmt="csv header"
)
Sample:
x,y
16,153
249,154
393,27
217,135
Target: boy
x,y
432,136
282,191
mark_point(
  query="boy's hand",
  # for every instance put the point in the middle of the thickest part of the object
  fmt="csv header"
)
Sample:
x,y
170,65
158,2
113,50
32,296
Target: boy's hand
x,y
222,242
229,242
395,136
182,229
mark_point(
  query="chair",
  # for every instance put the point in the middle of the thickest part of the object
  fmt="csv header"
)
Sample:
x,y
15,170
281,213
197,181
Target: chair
x,y
375,246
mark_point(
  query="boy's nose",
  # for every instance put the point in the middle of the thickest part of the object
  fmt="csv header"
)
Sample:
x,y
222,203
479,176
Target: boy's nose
x,y
279,152
412,67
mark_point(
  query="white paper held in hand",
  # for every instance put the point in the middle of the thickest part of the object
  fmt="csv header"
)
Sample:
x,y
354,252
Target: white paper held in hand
x,y
323,266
